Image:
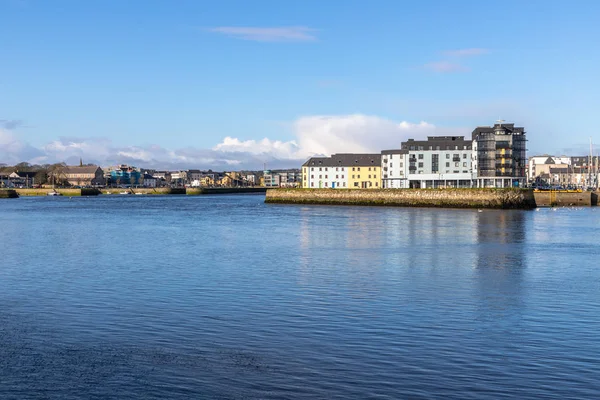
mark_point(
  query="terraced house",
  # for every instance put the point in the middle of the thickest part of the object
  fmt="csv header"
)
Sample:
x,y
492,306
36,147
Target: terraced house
x,y
342,171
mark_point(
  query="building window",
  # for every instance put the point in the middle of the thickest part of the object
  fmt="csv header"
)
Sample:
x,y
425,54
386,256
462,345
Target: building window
x,y
447,155
320,169
312,168
355,184
357,176
420,165
320,176
312,184
353,169
447,165
325,169
326,176
342,169
465,155
336,168
464,164
312,177
420,156
344,184
401,164
456,164
342,176
358,168
325,184
369,176
353,176
376,184
337,177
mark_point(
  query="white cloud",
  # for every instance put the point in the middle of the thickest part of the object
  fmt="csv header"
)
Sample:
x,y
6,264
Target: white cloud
x,y
446,67
466,52
262,34
313,135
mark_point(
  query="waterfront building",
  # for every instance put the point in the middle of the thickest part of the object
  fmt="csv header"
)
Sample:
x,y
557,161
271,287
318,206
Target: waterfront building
x,y
124,175
149,181
343,171
84,175
270,179
500,155
438,162
194,175
537,165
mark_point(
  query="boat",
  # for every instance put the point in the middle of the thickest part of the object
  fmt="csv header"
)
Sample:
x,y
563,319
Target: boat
x,y
125,193
53,193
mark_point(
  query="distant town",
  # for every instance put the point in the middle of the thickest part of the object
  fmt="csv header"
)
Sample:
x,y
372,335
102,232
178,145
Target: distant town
x,y
494,156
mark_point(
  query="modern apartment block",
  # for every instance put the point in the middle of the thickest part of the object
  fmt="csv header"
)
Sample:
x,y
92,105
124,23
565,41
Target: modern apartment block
x,y
493,157
500,155
439,161
343,171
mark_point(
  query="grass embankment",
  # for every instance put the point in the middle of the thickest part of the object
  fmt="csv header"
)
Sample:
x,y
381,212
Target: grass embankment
x,y
447,198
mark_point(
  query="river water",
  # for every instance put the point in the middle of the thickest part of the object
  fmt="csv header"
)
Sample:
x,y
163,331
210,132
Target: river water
x,y
225,297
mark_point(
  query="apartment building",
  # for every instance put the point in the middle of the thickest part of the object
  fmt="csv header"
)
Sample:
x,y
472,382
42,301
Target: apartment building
x,y
500,155
343,171
439,161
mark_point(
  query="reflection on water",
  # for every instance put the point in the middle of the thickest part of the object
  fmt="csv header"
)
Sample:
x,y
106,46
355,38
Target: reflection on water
x,y
226,297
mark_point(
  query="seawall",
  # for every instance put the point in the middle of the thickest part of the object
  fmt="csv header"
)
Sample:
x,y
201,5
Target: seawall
x,y
64,192
8,194
233,190
565,199
452,198
149,191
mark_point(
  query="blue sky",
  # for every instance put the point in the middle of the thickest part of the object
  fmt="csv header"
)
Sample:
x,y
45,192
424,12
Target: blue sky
x,y
238,83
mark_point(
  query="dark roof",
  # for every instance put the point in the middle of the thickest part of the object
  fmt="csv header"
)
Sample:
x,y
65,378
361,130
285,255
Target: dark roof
x,y
549,160
506,129
86,169
26,174
345,160
399,151
442,141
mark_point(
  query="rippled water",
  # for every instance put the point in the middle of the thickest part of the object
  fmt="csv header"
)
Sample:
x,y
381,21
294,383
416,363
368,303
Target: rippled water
x,y
226,297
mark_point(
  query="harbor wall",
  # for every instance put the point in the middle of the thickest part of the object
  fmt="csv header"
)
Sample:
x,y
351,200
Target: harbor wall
x,y
565,199
64,192
153,191
8,194
452,198
233,190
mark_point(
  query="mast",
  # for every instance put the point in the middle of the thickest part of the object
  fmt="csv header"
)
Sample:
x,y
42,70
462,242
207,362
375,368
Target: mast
x,y
590,165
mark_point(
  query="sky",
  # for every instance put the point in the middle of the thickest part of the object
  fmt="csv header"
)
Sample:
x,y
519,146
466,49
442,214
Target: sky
x,y
236,84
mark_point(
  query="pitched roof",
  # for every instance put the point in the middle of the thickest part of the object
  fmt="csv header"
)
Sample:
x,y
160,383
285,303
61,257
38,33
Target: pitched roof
x,y
345,160
86,169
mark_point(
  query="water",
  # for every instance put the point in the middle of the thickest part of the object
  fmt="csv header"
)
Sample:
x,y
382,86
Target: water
x,y
226,297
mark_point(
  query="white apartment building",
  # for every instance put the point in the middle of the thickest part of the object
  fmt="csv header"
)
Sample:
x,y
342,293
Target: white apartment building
x,y
325,172
439,161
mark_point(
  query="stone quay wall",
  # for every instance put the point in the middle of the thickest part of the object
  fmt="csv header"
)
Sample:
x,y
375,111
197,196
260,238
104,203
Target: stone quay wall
x,y
451,198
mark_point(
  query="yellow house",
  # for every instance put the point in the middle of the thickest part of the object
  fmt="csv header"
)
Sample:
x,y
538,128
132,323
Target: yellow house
x,y
207,181
342,171
365,176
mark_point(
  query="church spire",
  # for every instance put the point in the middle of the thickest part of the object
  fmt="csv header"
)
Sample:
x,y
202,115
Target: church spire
x,y
80,162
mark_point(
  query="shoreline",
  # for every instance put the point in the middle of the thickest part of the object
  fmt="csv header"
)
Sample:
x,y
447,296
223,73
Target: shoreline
x,y
433,198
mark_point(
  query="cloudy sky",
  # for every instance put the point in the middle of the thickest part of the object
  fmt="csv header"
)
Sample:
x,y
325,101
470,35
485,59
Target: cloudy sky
x,y
236,84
